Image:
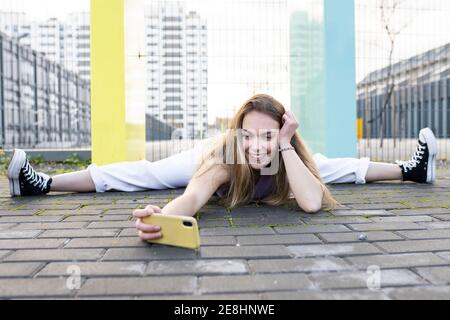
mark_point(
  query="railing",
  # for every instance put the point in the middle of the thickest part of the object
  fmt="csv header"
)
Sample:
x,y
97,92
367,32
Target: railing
x,y
403,75
42,105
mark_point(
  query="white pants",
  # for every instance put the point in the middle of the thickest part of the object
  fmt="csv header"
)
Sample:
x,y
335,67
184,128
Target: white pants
x,y
176,171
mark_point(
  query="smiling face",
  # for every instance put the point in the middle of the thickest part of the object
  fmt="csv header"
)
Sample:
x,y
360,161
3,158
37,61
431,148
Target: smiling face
x,y
259,139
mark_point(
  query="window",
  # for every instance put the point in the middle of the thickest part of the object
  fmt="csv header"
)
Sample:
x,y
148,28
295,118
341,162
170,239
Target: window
x,y
172,28
173,117
173,108
172,19
172,72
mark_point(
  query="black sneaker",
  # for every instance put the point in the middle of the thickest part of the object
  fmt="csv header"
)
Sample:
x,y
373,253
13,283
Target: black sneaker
x,y
422,166
23,179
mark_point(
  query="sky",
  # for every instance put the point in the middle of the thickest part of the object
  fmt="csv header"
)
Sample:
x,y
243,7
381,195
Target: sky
x,y
254,34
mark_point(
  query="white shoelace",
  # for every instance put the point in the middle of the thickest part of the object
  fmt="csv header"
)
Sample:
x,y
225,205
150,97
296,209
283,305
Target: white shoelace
x,y
36,179
417,157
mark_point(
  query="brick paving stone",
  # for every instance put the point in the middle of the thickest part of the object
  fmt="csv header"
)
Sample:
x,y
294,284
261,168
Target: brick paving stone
x,y
298,265
361,279
80,233
151,252
421,293
392,261
21,234
125,208
352,294
436,225
34,288
441,217
7,213
105,243
6,226
335,220
25,219
386,206
386,226
254,283
55,255
312,229
429,245
404,219
445,255
114,212
111,224
218,240
196,267
272,220
4,253
31,243
430,204
354,236
95,269
235,231
12,270
204,223
138,286
274,251
225,297
426,234
278,239
339,250
34,206
424,211
91,218
50,226
435,275
128,232
81,212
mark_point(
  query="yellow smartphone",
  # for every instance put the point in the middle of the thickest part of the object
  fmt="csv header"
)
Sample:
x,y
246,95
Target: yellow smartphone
x,y
179,231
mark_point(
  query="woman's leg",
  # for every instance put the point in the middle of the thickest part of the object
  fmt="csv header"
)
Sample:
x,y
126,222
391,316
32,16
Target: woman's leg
x,y
342,170
383,172
80,181
353,170
173,172
420,169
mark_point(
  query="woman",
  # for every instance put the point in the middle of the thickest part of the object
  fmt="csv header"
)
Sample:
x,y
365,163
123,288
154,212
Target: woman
x,y
262,157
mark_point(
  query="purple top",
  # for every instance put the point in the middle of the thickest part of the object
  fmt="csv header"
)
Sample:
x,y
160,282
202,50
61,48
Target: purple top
x,y
263,188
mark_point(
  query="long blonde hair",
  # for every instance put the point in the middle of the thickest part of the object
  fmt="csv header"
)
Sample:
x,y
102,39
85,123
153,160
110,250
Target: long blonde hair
x,y
242,177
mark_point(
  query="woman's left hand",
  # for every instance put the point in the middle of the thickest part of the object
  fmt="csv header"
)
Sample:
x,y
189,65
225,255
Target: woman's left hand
x,y
290,126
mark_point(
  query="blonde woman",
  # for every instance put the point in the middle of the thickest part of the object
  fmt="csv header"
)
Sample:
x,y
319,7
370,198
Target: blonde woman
x,y
261,157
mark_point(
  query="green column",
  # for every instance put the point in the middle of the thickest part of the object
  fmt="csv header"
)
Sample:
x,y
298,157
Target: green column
x,y
323,84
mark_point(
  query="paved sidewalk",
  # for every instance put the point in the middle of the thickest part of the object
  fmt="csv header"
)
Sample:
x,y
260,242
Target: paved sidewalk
x,y
250,253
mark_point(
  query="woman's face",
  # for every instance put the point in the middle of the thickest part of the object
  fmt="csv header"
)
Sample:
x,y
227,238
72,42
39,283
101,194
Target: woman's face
x,y
259,139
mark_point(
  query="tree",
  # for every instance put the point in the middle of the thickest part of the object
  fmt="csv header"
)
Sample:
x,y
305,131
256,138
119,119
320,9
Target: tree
x,y
388,15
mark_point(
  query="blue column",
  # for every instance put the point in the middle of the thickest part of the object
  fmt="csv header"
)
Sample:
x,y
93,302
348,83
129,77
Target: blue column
x,y
323,82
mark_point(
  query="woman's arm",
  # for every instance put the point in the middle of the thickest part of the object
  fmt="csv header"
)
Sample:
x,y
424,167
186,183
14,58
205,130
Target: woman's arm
x,y
304,185
197,193
306,188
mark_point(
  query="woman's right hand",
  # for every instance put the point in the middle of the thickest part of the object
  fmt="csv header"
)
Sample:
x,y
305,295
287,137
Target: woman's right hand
x,y
147,231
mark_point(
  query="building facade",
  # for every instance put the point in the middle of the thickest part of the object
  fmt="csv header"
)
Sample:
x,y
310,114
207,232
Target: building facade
x,y
177,68
42,104
420,98
65,42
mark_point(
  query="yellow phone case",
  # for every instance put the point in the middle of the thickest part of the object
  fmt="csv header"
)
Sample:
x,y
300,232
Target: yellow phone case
x,y
179,231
